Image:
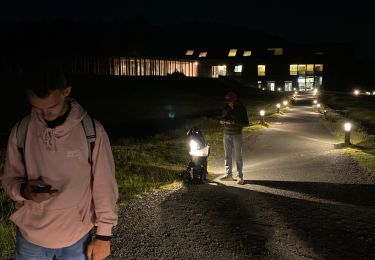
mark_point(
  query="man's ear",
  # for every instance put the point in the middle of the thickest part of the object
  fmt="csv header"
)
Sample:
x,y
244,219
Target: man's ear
x,y
67,91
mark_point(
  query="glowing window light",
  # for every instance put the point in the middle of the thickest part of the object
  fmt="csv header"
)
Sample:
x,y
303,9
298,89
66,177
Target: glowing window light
x,y
247,53
202,54
310,69
318,67
293,69
261,70
232,53
189,52
238,68
301,69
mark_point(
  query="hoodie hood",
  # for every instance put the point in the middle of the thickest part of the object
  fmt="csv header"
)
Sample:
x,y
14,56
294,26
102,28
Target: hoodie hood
x,y
50,135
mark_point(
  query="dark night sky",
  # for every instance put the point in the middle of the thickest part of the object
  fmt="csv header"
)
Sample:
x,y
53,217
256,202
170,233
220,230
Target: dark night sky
x,y
316,21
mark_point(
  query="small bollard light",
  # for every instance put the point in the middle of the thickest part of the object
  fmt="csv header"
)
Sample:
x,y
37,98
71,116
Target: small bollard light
x,y
285,103
347,127
318,106
356,92
262,113
325,113
278,107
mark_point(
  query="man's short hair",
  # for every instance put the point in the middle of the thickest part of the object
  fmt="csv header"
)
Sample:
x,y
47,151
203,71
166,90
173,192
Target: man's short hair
x,y
42,78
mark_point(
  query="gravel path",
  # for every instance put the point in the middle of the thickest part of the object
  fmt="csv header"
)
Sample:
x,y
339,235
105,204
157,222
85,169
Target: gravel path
x,y
301,199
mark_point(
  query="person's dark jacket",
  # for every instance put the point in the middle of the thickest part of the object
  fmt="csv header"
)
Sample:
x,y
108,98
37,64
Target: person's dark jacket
x,y
238,115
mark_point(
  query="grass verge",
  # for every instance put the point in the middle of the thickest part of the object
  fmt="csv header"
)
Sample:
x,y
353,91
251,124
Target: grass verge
x,y
362,148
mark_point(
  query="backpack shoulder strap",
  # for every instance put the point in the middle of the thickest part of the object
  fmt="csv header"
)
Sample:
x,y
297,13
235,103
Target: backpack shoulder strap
x,y
90,132
21,133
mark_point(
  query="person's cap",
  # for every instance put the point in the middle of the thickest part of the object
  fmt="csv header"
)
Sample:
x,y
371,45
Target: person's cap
x,y
230,97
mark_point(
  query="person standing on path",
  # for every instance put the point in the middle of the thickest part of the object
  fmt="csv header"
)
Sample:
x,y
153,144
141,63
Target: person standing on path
x,y
234,118
62,186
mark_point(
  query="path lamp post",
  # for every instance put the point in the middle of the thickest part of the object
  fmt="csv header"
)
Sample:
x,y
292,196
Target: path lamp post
x,y
347,127
356,92
325,113
262,113
318,106
314,103
285,103
278,107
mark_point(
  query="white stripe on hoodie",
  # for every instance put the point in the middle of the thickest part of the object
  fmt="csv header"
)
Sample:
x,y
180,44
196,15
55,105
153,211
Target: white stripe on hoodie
x,y
60,157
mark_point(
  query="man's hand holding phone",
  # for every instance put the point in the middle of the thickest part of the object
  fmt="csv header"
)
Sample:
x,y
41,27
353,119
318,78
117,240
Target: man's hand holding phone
x,y
38,190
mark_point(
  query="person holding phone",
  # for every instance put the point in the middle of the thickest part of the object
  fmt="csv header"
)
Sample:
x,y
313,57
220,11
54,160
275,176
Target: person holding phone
x,y
234,118
60,195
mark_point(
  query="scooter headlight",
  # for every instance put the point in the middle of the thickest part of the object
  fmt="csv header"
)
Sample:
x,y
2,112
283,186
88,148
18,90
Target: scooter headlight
x,y
193,146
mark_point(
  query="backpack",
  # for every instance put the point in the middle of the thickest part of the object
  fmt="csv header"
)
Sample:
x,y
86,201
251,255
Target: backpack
x,y
87,124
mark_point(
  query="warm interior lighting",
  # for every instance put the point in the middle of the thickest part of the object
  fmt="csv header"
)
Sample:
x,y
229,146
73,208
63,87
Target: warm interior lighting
x,y
232,53
261,70
220,70
202,54
310,69
189,52
293,69
318,67
301,69
246,53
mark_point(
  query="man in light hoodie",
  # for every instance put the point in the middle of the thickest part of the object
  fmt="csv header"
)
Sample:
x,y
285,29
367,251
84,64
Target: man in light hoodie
x,y
56,223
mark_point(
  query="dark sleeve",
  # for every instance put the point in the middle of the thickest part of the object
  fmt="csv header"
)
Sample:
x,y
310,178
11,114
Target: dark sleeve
x,y
243,119
225,114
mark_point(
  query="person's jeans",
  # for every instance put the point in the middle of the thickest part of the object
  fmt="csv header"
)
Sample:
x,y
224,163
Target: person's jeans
x,y
29,251
233,142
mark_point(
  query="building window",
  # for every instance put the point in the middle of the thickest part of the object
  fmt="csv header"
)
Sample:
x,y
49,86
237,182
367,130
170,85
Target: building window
x,y
220,70
276,51
293,69
238,68
301,69
261,70
202,54
310,69
319,68
271,85
287,86
247,53
189,52
232,53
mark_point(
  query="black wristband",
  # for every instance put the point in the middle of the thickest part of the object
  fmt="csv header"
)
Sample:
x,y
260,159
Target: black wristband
x,y
22,191
103,238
